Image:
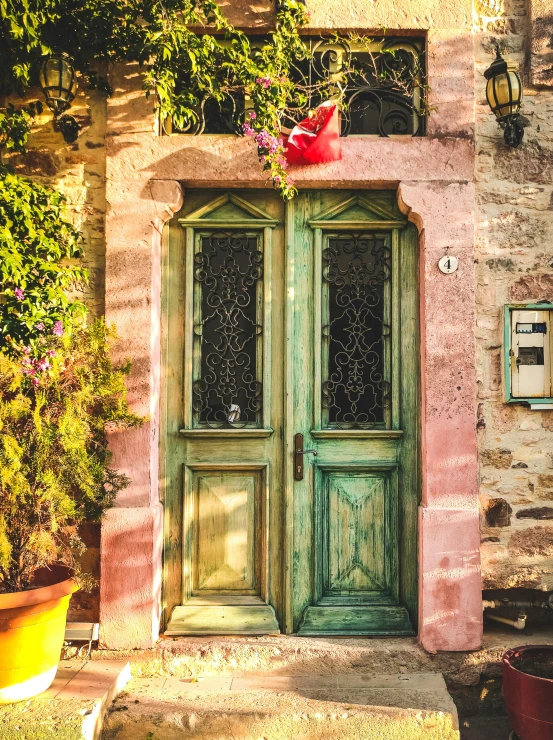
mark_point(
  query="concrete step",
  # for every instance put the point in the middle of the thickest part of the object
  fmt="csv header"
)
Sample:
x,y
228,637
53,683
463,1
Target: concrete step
x,y
322,707
74,706
293,655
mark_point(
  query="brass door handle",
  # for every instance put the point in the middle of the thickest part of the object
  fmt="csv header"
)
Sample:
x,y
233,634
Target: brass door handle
x,y
299,452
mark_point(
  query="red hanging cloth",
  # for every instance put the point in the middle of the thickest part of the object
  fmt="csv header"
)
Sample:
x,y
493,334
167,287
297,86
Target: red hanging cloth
x,y
316,139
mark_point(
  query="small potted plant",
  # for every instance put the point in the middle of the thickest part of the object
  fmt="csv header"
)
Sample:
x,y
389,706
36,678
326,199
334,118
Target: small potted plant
x,y
528,691
55,475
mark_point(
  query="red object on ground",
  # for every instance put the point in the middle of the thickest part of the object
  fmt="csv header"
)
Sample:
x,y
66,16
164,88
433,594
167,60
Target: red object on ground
x,y
529,699
316,139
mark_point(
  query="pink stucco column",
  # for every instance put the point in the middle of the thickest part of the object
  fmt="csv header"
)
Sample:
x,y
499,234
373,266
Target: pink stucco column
x,y
132,532
450,611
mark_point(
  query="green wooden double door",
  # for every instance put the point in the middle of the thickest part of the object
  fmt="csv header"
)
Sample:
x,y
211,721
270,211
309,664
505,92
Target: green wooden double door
x,y
291,411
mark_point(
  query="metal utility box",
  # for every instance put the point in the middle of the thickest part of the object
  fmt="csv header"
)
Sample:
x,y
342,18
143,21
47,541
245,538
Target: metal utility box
x,y
528,350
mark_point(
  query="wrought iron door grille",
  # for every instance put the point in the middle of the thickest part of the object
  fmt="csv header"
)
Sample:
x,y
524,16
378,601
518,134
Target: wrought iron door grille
x,y
356,331
228,307
382,93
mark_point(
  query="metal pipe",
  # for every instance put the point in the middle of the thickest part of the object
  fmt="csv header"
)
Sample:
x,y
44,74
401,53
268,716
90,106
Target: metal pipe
x,y
499,603
519,623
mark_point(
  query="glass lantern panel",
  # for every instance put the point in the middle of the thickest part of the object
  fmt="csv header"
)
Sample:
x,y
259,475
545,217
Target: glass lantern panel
x,y
504,99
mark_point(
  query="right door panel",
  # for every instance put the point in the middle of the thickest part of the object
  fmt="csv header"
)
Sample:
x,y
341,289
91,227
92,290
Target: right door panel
x,y
353,321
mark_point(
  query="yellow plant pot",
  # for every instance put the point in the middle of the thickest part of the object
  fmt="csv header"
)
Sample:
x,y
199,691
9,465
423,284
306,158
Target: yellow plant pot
x,y
32,626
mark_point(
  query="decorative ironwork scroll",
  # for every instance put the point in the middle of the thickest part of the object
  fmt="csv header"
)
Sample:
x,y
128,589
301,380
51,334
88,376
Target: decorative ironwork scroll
x,y
228,276
356,269
380,85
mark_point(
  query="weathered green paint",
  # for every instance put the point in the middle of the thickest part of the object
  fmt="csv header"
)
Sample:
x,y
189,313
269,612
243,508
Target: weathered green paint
x,y
205,619
223,488
336,552
355,620
356,509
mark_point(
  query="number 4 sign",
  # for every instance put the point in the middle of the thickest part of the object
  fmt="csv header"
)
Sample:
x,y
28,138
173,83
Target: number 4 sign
x,y
448,264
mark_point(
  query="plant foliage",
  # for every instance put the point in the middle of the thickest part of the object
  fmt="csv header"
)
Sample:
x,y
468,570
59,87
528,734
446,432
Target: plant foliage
x,y
59,390
189,53
35,241
182,63
54,461
55,468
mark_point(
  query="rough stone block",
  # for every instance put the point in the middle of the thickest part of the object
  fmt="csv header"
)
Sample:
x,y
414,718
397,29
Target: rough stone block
x,y
497,457
496,511
541,60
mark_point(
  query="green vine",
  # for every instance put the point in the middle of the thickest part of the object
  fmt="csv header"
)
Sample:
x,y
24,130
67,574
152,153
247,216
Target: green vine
x,y
35,242
163,37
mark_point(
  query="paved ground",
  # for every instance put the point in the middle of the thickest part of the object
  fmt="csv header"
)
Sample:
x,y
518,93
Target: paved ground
x,y
485,728
72,708
340,707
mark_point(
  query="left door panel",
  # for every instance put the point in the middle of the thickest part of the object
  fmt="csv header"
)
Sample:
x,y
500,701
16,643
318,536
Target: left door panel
x,y
222,341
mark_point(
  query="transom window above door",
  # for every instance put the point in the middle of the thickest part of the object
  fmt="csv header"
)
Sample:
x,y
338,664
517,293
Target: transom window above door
x,y
380,81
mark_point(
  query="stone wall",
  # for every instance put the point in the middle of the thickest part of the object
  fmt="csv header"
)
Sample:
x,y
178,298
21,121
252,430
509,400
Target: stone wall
x,y
514,236
78,171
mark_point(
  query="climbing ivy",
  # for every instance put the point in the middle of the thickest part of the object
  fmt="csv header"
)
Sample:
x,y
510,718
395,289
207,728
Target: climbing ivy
x,y
35,241
187,48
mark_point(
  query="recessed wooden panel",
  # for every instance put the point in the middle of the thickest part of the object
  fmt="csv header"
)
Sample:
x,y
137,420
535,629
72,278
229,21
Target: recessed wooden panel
x,y
226,521
356,510
356,544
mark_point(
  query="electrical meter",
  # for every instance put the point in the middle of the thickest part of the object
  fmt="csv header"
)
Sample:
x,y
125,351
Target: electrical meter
x,y
528,342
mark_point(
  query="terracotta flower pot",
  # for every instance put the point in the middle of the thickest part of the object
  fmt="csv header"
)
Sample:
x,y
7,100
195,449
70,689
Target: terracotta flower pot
x,y
529,698
32,626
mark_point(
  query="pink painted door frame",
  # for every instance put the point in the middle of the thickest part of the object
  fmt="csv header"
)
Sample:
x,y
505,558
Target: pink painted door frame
x,y
433,177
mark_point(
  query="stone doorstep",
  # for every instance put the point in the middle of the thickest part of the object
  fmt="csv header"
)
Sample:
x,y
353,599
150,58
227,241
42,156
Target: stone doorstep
x,y
74,706
344,707
292,655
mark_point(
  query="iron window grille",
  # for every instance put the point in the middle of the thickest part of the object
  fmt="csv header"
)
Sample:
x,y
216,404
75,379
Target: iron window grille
x,y
382,92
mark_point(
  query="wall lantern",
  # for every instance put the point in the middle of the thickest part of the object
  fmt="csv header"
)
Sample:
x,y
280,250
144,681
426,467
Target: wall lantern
x,y
59,84
504,95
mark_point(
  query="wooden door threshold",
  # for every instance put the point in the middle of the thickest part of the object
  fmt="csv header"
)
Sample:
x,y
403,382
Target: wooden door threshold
x,y
320,621
232,616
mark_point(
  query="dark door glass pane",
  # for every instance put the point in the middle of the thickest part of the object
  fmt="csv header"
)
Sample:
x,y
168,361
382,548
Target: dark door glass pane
x,y
356,269
229,270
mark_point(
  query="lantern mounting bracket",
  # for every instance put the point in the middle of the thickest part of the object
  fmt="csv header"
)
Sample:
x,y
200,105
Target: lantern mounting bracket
x,y
68,127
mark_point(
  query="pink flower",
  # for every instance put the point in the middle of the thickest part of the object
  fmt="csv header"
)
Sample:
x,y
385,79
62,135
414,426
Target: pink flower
x,y
277,178
36,381
40,326
265,81
291,181
51,353
252,114
247,129
58,329
27,350
19,294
